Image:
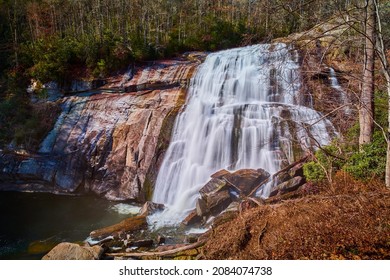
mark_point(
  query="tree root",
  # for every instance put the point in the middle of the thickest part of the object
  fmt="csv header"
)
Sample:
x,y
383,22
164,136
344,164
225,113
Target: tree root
x,y
159,254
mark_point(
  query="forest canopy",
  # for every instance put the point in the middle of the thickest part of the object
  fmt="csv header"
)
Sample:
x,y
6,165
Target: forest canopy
x,y
48,38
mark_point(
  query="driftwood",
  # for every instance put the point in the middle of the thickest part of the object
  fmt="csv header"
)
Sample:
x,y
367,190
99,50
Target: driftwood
x,y
159,254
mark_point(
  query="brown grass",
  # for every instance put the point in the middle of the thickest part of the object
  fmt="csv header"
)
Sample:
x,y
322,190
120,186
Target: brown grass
x,y
346,221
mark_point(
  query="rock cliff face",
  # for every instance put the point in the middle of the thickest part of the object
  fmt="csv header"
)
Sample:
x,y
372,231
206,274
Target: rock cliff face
x,y
106,141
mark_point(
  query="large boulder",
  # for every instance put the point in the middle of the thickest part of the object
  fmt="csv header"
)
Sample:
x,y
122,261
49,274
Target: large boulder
x,y
219,174
71,251
288,186
213,186
247,180
192,219
218,202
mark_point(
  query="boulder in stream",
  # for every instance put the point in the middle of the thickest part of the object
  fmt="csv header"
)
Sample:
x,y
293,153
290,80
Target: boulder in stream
x,y
71,251
150,208
247,180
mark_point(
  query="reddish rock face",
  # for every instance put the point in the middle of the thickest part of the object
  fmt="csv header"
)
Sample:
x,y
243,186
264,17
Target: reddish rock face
x,y
106,142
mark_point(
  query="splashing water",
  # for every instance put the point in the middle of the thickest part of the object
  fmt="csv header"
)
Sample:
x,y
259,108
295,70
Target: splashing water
x,y
244,110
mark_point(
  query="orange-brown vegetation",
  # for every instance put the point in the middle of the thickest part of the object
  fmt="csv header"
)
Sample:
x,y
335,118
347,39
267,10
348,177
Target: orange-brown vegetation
x,y
347,220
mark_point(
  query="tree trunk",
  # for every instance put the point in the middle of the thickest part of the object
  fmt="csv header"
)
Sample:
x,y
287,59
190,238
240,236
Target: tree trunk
x,y
387,174
366,106
386,72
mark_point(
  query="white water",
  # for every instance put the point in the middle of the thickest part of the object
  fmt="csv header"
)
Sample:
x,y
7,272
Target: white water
x,y
343,96
244,110
126,209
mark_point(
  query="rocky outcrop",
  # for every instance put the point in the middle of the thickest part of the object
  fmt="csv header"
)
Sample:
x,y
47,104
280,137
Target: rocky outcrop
x,y
288,186
224,188
289,179
106,141
71,251
232,192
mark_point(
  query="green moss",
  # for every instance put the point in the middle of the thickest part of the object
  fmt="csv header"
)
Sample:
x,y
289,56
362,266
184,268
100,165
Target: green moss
x,y
148,189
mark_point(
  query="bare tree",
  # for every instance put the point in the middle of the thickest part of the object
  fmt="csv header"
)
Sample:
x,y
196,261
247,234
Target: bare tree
x,y
366,106
386,73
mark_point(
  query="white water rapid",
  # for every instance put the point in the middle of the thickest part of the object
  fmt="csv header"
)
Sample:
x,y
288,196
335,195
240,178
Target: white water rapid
x,y
245,109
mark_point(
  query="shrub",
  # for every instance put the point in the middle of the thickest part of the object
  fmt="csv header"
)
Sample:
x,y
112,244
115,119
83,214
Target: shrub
x,y
370,161
327,160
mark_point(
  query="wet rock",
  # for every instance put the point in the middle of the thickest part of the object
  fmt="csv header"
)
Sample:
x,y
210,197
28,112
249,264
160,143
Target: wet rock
x,y
71,251
281,177
219,201
293,170
201,207
296,170
192,219
246,180
219,174
233,207
212,186
288,186
160,240
128,225
141,243
150,208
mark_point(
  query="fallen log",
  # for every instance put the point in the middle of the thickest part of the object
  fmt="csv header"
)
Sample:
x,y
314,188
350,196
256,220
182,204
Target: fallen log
x,y
159,254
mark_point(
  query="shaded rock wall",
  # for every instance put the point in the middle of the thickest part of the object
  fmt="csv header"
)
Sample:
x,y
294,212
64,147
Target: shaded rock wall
x,y
105,141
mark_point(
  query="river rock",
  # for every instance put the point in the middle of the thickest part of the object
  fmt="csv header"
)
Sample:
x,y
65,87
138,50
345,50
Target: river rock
x,y
212,186
128,225
192,219
141,243
71,251
246,180
296,170
150,208
288,186
160,240
218,201
201,207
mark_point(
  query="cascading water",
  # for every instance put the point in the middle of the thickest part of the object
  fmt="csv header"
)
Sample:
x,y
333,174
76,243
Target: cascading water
x,y
244,110
343,96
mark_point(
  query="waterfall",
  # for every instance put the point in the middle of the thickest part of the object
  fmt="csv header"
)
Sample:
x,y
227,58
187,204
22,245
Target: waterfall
x,y
334,83
244,109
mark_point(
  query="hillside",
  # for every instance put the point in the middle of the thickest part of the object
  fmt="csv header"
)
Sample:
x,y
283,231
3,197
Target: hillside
x,y
349,222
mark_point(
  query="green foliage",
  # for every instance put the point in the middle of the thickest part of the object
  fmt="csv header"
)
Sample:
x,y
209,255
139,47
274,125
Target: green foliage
x,y
370,161
365,163
52,57
14,107
20,122
327,161
314,172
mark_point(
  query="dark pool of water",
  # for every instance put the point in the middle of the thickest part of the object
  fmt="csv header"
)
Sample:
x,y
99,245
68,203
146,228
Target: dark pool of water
x,y
32,223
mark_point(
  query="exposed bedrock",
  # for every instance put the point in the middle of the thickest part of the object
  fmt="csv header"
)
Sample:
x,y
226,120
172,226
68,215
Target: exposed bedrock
x,y
106,141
